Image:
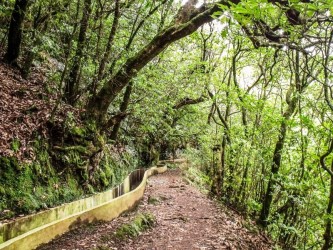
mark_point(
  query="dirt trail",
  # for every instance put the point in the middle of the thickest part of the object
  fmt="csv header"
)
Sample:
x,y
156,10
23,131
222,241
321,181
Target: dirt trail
x,y
186,219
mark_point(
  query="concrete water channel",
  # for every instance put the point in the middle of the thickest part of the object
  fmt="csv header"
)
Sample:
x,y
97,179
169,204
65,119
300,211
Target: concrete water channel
x,y
33,230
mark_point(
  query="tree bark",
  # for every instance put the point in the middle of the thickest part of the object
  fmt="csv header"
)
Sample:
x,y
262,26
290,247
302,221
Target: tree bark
x,y
292,98
98,105
39,26
107,52
71,87
328,239
277,156
15,31
123,108
328,235
187,20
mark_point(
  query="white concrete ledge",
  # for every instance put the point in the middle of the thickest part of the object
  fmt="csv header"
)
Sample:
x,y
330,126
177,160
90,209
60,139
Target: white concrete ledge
x,y
31,231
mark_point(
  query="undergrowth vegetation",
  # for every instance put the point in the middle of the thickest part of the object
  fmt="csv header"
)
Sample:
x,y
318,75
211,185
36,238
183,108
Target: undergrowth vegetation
x,y
197,169
32,186
139,224
244,86
198,178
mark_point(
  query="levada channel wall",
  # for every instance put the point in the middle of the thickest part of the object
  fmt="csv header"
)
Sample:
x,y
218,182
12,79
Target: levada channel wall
x,y
33,230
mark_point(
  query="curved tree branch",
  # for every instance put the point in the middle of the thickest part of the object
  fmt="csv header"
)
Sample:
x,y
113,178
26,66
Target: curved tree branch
x,y
323,157
98,106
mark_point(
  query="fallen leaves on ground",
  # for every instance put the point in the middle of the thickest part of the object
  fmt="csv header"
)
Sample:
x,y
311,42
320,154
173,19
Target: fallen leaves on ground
x,y
185,219
25,109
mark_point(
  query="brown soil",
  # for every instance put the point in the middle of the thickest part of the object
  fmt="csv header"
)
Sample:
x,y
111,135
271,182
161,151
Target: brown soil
x,y
185,219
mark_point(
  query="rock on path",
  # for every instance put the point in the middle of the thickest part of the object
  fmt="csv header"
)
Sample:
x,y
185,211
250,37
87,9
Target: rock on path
x,y
186,219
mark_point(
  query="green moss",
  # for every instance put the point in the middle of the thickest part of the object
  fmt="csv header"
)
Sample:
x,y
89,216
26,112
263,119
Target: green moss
x,y
109,173
79,131
42,165
6,214
172,165
70,190
9,163
100,140
79,149
103,178
90,189
2,190
140,223
153,200
74,159
27,203
15,145
60,173
197,178
27,188
26,179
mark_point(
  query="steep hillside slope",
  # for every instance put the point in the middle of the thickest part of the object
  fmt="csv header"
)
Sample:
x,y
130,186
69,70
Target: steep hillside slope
x,y
38,169
26,109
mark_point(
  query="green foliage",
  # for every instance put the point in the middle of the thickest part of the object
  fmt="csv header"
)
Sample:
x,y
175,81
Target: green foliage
x,y
172,165
230,137
197,178
29,187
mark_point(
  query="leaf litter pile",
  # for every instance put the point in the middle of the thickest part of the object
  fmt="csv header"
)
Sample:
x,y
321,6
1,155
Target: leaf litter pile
x,y
25,111
185,219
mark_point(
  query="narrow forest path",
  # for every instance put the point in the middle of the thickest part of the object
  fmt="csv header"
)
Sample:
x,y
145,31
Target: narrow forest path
x,y
185,219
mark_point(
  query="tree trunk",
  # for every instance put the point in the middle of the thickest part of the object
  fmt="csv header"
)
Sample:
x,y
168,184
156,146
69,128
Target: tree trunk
x,y
328,235
274,170
36,38
123,108
98,105
71,87
216,183
15,31
107,52
292,98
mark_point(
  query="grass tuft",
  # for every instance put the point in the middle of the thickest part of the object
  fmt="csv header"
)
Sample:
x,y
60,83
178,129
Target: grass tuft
x,y
140,223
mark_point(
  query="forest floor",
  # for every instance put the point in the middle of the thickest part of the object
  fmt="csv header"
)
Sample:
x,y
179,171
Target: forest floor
x,y
26,108
185,219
